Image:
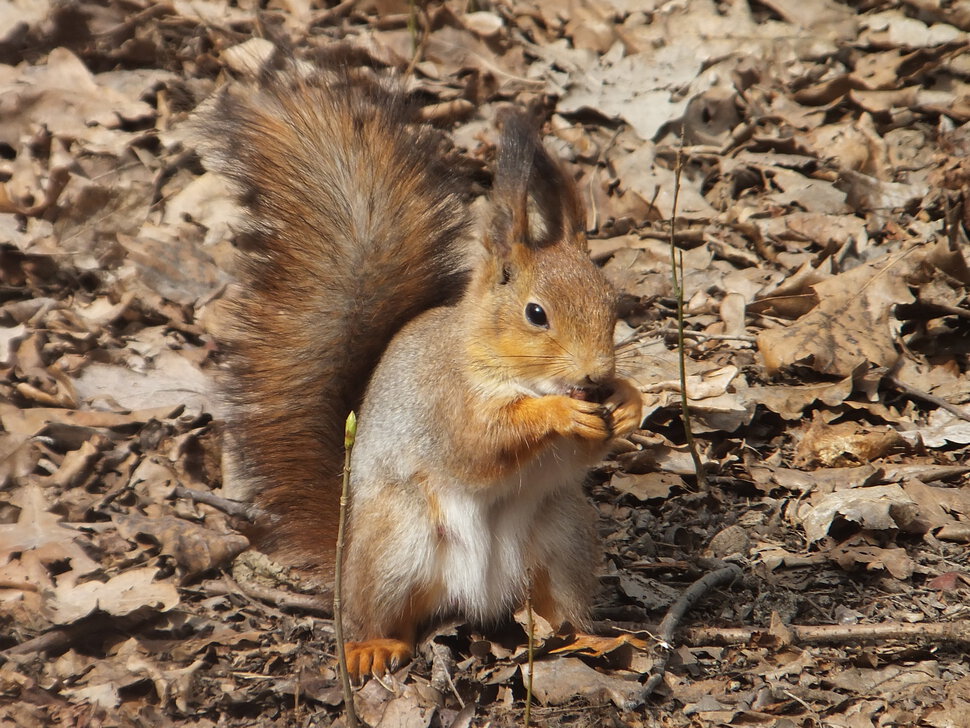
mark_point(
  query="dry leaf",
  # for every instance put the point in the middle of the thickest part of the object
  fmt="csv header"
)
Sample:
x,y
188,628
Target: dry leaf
x,y
555,682
121,595
874,508
851,325
842,444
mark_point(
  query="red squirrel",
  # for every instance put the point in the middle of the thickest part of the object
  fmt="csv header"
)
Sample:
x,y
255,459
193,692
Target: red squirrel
x,y
481,362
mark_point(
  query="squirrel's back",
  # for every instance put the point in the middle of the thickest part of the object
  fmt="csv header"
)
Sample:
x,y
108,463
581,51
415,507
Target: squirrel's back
x,y
355,225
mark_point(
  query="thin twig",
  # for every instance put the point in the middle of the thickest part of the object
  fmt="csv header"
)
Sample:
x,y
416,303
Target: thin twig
x,y
233,507
61,638
701,336
350,434
313,604
331,15
957,633
808,708
681,348
419,37
442,665
665,635
915,393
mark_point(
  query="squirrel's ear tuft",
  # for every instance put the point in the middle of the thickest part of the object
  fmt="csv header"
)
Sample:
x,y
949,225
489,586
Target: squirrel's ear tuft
x,y
534,201
558,202
509,221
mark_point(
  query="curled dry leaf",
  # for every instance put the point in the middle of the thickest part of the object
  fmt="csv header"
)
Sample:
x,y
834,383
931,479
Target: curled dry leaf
x,y
791,400
483,23
196,549
556,682
944,512
942,427
845,443
874,508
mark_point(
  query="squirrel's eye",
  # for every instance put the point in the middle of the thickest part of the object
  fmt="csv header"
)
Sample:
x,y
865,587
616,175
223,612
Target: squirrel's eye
x,y
536,315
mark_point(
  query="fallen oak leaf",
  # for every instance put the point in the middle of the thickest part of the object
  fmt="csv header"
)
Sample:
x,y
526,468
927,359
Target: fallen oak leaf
x,y
851,325
121,595
39,534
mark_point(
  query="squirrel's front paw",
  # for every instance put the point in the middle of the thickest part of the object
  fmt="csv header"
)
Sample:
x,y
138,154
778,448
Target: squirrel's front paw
x,y
625,405
581,418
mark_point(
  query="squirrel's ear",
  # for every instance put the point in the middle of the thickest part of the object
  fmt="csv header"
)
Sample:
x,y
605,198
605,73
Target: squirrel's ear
x,y
534,201
509,221
558,201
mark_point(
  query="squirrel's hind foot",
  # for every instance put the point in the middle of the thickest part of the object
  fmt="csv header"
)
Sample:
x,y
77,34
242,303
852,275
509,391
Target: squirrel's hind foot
x,y
376,657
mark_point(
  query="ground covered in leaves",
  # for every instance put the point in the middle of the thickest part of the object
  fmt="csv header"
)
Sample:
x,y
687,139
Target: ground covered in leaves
x,y
821,223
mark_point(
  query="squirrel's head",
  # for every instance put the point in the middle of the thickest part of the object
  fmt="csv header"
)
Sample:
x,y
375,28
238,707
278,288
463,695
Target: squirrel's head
x,y
545,312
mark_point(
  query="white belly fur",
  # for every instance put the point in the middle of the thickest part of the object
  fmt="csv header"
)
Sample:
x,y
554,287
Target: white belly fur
x,y
481,558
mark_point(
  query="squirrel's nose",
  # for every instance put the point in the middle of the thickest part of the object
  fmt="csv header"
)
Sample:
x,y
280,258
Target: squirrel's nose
x,y
600,370
600,377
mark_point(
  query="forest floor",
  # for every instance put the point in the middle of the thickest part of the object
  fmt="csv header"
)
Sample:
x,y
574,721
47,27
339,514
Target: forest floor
x,y
821,221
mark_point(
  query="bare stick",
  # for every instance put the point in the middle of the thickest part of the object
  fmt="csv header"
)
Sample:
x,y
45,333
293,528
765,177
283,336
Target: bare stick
x,y
62,637
960,412
939,632
314,604
665,635
350,434
55,639
233,507
701,336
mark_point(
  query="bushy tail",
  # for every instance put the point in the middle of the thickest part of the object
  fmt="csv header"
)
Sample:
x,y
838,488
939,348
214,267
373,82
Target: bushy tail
x,y
355,225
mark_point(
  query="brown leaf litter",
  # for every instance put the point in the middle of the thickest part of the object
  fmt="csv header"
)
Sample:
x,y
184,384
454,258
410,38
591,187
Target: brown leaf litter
x,y
821,220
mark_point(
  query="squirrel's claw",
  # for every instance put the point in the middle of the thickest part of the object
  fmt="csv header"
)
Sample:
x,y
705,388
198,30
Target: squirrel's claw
x,y
376,657
625,408
589,420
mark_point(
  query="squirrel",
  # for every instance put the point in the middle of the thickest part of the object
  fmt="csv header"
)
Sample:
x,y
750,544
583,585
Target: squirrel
x,y
482,364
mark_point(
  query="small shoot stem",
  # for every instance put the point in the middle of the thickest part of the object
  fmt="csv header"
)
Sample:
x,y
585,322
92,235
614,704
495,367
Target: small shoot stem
x,y
350,435
419,28
677,277
531,660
